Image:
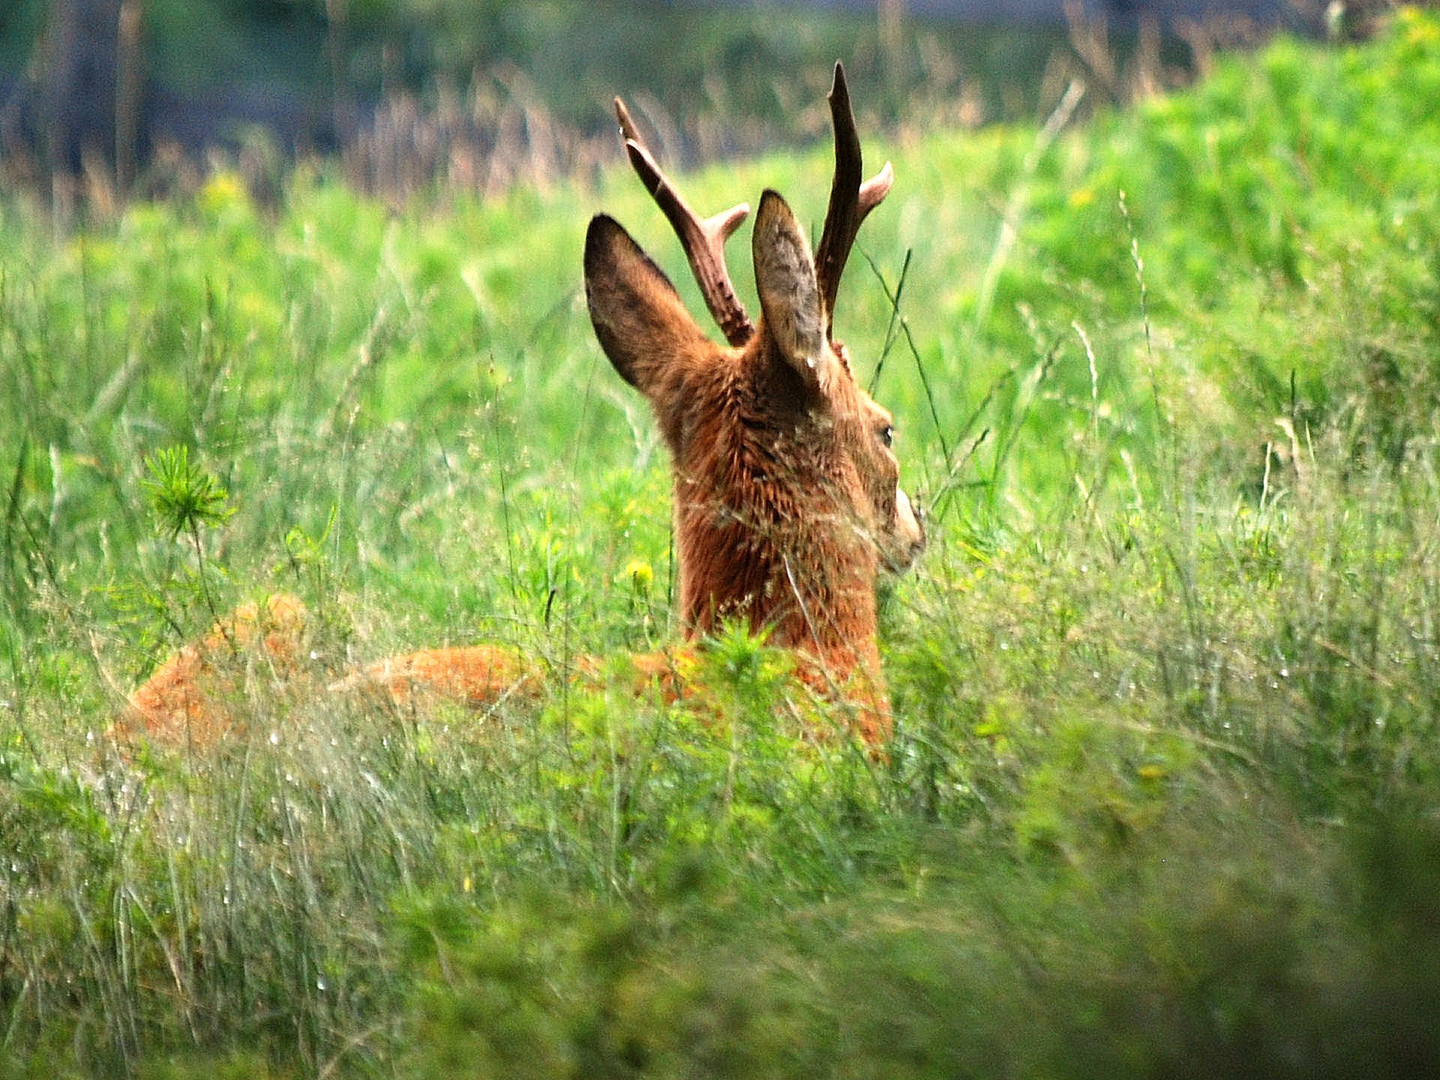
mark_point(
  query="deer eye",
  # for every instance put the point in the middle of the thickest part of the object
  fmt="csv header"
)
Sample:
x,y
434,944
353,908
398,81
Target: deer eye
x,y
887,435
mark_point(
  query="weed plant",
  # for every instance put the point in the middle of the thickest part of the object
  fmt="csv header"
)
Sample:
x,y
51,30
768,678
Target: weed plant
x,y
1162,795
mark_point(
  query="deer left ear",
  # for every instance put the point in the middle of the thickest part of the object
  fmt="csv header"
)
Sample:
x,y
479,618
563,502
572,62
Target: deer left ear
x,y
789,295
639,318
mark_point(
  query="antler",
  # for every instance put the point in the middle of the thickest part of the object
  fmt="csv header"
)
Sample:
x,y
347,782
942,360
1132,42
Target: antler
x,y
850,200
703,240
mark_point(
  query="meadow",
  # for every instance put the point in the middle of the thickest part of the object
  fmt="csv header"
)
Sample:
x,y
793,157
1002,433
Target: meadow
x,y
1162,794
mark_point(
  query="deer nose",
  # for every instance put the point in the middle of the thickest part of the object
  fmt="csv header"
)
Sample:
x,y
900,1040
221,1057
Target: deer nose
x,y
910,527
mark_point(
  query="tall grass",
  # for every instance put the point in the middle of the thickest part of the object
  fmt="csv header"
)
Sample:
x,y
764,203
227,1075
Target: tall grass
x,y
1161,799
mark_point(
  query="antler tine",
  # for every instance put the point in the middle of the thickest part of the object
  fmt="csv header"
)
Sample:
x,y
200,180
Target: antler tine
x,y
850,200
702,239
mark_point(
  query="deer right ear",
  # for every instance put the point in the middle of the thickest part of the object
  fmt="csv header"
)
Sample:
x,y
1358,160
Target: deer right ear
x,y
789,293
639,318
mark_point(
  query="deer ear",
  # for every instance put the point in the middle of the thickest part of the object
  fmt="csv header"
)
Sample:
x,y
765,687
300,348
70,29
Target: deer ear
x,y
639,318
789,294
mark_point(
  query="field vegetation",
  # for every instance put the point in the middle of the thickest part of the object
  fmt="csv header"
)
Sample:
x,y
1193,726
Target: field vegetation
x,y
1162,796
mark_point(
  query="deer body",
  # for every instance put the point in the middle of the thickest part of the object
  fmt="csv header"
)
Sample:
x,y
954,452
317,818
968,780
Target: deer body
x,y
786,498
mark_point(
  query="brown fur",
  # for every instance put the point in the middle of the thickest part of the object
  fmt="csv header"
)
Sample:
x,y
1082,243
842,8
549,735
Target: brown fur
x,y
786,500
184,700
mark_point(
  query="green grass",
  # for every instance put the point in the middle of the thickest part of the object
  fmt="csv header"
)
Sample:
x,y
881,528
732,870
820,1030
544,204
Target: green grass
x,y
1162,795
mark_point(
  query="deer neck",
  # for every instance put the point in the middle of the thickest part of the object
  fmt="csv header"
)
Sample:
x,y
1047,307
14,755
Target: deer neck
x,y
764,532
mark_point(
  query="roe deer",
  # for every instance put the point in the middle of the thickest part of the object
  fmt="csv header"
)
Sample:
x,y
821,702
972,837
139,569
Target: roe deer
x,y
786,496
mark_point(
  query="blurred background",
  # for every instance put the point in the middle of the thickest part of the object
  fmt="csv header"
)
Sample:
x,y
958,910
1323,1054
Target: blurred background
x,y
118,96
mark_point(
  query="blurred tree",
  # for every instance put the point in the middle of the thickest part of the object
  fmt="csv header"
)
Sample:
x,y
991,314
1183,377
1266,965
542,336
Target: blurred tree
x,y
79,81
91,85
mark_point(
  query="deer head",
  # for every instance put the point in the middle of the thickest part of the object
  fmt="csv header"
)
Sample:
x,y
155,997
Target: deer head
x,y
787,502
